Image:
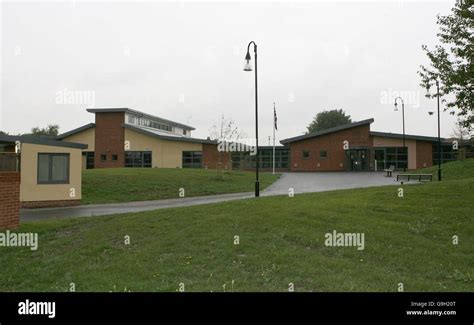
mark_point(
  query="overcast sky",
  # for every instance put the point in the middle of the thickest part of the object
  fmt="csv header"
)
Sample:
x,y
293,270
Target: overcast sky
x,y
183,61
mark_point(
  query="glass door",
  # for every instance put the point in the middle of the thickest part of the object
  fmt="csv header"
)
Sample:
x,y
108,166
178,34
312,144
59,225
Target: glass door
x,y
379,156
358,159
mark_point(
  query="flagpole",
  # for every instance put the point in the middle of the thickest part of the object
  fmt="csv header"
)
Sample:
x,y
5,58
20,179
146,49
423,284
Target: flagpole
x,y
273,138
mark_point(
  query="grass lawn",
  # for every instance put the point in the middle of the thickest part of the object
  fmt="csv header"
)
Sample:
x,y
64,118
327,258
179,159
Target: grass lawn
x,y
407,240
113,185
458,169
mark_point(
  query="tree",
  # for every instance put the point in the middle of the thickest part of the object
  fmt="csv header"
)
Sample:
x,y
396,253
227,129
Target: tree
x,y
328,119
50,130
460,132
451,62
225,130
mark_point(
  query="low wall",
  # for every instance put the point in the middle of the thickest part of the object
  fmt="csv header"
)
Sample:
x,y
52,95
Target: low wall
x,y
9,200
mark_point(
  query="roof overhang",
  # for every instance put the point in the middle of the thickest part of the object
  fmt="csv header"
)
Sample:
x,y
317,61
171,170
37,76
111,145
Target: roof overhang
x,y
41,141
327,131
407,136
168,137
75,131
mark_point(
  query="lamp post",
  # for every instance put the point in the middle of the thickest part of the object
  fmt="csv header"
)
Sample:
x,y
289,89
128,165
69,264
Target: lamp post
x,y
439,132
403,118
248,67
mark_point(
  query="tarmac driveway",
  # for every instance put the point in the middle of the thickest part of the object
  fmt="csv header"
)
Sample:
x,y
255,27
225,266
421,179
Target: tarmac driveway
x,y
303,182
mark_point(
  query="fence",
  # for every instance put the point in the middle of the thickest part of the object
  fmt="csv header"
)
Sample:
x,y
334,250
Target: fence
x,y
9,162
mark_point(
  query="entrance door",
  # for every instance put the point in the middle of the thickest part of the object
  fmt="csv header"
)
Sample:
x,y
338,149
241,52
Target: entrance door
x,y
358,159
380,158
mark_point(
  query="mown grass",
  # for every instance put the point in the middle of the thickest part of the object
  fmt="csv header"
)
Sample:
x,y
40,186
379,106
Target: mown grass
x,y
459,169
408,240
114,185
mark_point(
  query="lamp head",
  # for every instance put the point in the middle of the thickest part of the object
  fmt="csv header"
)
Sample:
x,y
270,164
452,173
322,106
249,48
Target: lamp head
x,y
396,106
431,113
247,66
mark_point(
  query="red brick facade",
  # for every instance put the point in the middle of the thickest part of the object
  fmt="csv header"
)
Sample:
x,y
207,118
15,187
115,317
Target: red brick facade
x,y
210,157
109,139
424,154
9,200
49,204
332,143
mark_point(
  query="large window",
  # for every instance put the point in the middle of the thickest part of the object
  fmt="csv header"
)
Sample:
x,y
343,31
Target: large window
x,y
53,168
138,159
391,156
447,153
243,160
143,121
192,159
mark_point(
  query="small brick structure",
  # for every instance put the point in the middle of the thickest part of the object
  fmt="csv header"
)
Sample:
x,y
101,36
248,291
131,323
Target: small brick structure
x,y
9,200
210,157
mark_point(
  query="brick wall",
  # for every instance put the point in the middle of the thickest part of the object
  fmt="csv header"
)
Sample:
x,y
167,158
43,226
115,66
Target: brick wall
x,y
424,154
333,144
49,204
109,139
210,157
9,200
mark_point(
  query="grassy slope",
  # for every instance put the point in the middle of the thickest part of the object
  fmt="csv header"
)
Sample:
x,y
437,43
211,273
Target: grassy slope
x,y
141,184
459,169
407,240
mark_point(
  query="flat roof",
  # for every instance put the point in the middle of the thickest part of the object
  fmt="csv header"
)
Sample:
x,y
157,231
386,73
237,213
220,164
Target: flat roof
x,y
327,131
407,136
160,135
11,139
74,131
129,110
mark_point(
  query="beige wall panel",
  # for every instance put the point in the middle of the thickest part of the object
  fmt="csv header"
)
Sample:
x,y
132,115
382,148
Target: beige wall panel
x,y
165,154
393,142
85,137
31,191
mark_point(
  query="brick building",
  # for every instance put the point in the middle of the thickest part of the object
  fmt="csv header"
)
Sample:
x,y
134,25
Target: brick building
x,y
354,147
123,137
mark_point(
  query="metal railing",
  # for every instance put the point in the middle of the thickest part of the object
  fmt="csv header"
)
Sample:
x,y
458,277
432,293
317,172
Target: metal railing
x,y
9,162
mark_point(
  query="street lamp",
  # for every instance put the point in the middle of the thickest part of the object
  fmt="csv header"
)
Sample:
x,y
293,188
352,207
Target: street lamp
x,y
248,67
439,132
403,118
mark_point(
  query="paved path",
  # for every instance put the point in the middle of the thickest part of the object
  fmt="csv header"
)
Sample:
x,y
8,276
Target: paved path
x,y
301,183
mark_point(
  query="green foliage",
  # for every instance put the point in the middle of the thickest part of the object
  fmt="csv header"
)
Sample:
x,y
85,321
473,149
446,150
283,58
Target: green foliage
x,y
452,61
328,119
50,130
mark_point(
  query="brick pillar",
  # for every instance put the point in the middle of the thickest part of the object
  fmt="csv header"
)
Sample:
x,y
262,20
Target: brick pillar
x,y
109,139
9,200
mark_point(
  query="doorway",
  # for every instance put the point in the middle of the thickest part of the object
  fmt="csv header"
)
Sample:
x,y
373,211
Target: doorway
x,y
358,159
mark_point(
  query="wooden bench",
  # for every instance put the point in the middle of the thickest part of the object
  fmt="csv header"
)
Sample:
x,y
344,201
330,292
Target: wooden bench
x,y
389,171
419,177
